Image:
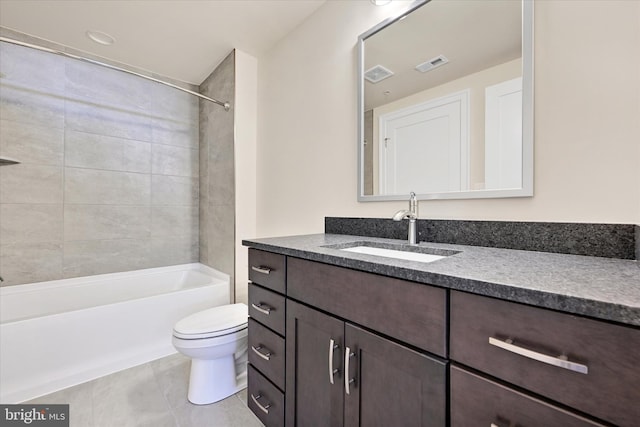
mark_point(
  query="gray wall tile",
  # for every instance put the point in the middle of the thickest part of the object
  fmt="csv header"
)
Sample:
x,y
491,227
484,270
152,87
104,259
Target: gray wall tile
x,y
222,185
174,221
88,150
30,223
88,257
91,186
30,262
171,104
32,69
31,144
96,222
170,160
100,119
217,191
174,190
108,88
24,183
32,107
136,156
173,250
170,132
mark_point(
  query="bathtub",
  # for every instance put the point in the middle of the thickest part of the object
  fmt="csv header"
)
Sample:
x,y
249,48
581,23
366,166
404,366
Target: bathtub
x,y
61,333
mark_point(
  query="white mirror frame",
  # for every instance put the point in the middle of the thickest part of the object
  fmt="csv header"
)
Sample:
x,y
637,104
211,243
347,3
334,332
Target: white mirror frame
x,y
527,117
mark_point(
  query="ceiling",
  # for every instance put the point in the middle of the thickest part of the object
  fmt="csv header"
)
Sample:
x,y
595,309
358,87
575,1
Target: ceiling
x,y
473,35
184,40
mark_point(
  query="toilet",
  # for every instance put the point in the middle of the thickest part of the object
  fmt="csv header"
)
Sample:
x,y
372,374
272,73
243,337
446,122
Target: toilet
x,y
216,341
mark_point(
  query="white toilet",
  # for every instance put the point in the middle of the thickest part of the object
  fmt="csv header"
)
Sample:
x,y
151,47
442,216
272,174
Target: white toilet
x,y
216,341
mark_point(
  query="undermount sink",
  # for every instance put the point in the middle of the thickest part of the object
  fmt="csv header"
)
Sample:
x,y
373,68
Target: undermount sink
x,y
397,251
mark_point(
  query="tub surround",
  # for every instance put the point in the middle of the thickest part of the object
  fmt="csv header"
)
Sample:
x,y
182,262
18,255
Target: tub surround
x,y
598,287
601,240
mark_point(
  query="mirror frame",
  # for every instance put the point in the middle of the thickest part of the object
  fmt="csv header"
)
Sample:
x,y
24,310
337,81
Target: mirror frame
x,y
527,117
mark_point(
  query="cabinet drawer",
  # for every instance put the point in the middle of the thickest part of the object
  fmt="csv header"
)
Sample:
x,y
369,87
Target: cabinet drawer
x,y
410,312
476,401
267,269
518,344
267,308
264,399
266,352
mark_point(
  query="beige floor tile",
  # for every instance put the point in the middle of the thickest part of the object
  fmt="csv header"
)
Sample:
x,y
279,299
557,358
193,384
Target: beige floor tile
x,y
149,395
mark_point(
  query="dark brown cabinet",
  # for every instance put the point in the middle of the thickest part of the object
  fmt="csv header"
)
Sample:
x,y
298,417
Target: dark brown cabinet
x,y
339,374
331,346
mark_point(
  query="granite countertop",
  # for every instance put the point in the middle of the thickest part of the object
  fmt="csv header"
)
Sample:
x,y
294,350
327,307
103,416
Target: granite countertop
x,y
602,288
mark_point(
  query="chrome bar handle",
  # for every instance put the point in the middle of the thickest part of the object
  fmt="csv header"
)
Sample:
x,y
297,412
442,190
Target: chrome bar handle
x,y
265,356
261,269
263,408
559,361
332,346
262,308
347,382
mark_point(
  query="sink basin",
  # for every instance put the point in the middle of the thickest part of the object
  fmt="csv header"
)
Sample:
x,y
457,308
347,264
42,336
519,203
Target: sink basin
x,y
390,250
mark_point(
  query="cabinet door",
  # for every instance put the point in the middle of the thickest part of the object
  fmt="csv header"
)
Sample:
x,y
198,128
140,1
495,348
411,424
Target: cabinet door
x,y
311,399
392,385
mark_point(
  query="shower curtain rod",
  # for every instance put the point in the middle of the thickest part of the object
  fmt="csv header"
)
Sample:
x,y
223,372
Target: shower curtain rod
x,y
226,105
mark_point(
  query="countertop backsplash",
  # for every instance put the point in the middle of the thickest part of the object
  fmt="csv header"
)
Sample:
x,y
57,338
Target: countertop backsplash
x,y
620,241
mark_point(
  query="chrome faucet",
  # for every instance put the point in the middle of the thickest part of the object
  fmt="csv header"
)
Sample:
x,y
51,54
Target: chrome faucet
x,y
411,215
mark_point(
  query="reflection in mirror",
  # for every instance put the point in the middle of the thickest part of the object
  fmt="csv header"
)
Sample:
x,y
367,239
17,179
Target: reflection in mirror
x,y
446,106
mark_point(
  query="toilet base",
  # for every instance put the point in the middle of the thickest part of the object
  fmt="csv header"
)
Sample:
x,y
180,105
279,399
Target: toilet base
x,y
213,380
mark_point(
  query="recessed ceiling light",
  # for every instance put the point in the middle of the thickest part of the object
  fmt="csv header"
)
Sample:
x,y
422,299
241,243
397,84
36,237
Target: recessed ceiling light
x,y
100,37
380,2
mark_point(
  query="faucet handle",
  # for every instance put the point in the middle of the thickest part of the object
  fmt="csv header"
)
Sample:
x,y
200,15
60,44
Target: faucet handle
x,y
413,204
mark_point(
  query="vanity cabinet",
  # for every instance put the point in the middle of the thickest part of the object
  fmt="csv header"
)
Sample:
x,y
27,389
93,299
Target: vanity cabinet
x,y
331,346
340,374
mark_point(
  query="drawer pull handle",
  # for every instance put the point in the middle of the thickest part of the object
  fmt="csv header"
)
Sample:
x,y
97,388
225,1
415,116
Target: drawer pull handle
x,y
265,356
263,408
559,361
332,346
262,308
348,354
261,269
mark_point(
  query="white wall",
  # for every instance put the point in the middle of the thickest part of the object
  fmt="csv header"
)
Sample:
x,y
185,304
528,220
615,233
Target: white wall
x,y
587,132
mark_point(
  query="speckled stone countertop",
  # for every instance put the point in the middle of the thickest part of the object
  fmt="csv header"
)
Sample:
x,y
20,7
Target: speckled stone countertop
x,y
602,288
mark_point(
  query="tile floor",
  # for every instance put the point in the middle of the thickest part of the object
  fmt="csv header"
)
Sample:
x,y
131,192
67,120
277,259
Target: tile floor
x,y
153,395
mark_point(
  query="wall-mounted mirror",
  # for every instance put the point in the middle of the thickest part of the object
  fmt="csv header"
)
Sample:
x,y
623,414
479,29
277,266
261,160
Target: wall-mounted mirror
x,y
446,102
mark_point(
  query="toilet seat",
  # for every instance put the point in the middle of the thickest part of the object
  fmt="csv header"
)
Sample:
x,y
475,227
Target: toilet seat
x,y
213,322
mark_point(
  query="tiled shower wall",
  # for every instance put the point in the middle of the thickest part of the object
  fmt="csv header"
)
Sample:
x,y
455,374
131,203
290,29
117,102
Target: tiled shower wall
x,y
217,172
108,179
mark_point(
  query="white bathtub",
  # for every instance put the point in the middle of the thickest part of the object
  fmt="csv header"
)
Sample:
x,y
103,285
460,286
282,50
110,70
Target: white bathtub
x,y
61,333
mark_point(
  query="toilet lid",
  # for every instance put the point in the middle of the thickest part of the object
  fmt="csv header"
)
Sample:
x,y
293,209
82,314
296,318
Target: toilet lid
x,y
213,322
